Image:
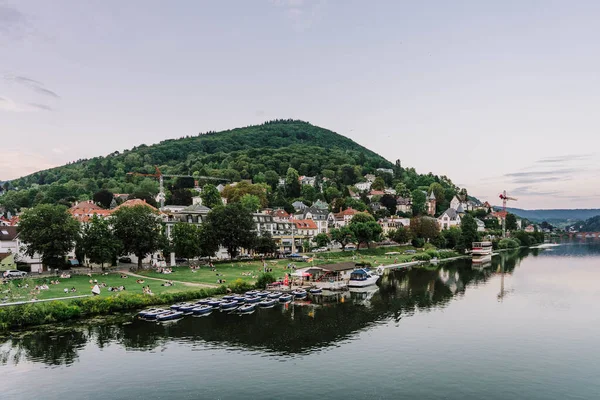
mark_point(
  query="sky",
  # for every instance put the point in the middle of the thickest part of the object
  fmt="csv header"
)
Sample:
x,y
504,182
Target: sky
x,y
495,95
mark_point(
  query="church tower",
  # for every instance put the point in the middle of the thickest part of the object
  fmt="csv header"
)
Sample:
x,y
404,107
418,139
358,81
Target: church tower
x,y
431,204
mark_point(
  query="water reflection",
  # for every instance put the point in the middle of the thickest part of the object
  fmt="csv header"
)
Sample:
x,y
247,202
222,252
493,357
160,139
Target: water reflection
x,y
284,330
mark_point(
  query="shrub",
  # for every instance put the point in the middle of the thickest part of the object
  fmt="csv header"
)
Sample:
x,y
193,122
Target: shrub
x,y
418,242
508,244
240,286
264,279
433,253
422,257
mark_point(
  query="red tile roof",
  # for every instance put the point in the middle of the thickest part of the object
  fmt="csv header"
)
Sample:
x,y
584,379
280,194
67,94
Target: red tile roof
x,y
305,224
87,205
134,202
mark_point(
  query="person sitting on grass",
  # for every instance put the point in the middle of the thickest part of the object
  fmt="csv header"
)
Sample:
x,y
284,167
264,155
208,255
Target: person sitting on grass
x,y
73,290
66,290
124,276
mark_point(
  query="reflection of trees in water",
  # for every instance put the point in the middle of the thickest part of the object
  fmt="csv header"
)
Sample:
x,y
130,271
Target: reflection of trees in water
x,y
284,330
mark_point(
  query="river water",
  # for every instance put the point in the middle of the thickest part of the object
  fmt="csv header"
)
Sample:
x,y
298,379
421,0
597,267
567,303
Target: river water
x,y
525,327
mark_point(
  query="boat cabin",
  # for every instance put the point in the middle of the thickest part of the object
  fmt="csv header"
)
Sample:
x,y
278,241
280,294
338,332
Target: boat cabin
x,y
359,275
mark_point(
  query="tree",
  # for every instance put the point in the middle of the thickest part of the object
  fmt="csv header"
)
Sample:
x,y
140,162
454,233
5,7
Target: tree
x,y
234,193
511,222
365,228
50,231
308,193
98,242
180,197
389,202
103,198
402,190
452,236
469,234
259,178
292,183
418,202
185,239
233,226
400,235
207,241
424,227
271,179
139,230
378,184
265,244
321,239
210,196
342,235
250,202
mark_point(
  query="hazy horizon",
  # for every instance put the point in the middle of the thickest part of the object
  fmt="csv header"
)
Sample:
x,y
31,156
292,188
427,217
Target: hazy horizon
x,y
496,96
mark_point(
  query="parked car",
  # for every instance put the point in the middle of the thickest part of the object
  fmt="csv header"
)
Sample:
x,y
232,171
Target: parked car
x,y
13,273
350,248
410,251
125,259
180,259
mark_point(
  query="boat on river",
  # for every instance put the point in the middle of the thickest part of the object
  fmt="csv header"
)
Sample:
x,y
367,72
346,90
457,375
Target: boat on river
x,y
481,249
274,295
252,300
285,298
228,305
144,313
251,293
267,303
246,309
240,299
203,301
299,293
169,316
202,310
315,291
362,277
263,294
228,297
151,315
214,303
187,308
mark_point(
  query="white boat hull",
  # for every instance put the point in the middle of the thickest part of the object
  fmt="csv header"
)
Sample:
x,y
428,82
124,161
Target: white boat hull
x,y
372,280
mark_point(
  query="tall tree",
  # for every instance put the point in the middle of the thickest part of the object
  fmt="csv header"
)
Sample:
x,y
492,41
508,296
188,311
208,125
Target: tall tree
x,y
292,184
98,242
103,198
139,230
365,228
469,234
50,231
251,202
418,202
389,202
185,239
321,239
400,235
440,195
265,244
511,222
233,226
207,241
210,196
424,227
343,236
234,193
378,184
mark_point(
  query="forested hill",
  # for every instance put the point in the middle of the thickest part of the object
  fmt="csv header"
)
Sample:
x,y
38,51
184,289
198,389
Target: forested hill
x,y
233,154
589,225
261,153
558,215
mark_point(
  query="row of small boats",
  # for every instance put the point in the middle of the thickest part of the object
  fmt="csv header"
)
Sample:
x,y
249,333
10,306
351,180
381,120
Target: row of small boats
x,y
246,304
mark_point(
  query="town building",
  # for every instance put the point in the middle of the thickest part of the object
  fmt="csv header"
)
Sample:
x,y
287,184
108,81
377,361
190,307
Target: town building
x,y
363,186
431,203
448,219
341,218
319,216
404,204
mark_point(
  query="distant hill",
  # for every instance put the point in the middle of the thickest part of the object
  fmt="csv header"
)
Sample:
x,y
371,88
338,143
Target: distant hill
x,y
557,215
589,225
259,153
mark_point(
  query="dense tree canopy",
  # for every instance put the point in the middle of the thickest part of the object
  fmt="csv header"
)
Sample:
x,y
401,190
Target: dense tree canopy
x,y
50,231
98,242
139,230
232,225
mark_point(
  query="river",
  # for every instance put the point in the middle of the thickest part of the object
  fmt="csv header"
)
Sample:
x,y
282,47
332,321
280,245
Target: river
x,y
525,327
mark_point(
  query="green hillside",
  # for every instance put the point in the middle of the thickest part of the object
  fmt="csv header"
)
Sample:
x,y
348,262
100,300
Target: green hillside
x,y
555,216
262,153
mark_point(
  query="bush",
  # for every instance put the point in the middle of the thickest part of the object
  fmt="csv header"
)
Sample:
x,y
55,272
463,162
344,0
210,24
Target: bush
x,y
508,244
433,253
422,257
418,242
56,311
240,286
264,279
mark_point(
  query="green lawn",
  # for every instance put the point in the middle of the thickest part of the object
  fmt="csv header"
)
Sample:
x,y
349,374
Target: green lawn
x,y
248,271
83,286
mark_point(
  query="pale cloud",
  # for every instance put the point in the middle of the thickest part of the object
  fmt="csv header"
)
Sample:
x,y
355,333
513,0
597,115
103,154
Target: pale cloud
x,y
32,84
15,163
10,105
302,14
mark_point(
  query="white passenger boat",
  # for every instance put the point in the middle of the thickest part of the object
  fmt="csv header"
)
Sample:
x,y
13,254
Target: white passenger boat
x,y
362,277
481,248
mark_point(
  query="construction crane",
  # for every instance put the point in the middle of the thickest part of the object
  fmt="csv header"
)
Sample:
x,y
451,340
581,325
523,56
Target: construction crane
x,y
160,176
505,198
